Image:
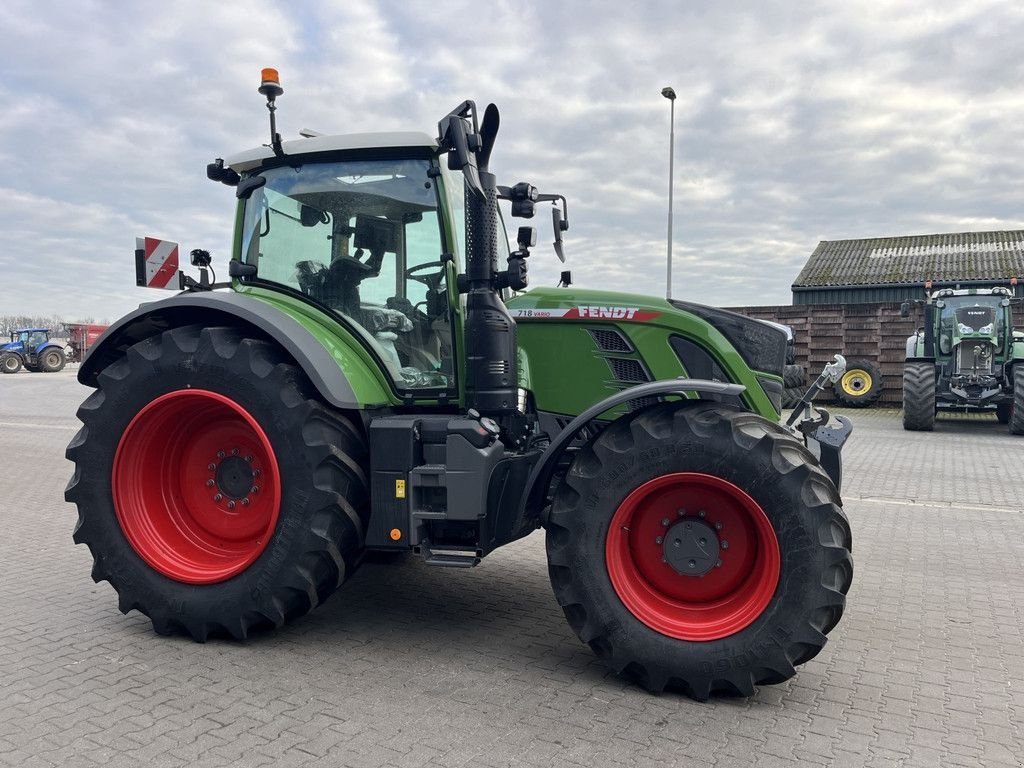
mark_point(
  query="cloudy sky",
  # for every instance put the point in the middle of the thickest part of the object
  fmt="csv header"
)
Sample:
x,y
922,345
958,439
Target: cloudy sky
x,y
792,126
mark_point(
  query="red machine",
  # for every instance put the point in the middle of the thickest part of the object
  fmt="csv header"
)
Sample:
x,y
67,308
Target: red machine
x,y
81,336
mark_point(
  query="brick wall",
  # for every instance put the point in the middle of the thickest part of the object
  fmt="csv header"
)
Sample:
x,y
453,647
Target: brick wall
x,y
874,332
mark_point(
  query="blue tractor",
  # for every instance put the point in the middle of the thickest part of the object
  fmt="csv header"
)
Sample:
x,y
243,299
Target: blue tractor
x,y
32,348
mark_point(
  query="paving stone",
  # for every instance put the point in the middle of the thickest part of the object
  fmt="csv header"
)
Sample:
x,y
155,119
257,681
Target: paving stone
x,y
410,666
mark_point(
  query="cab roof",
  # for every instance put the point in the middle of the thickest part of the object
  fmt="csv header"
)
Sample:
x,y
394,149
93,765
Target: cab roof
x,y
253,158
31,330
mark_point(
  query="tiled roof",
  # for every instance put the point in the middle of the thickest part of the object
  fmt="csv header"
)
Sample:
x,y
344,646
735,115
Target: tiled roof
x,y
995,256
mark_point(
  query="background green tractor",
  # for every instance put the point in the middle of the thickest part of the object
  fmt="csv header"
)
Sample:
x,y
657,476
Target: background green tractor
x,y
369,382
966,356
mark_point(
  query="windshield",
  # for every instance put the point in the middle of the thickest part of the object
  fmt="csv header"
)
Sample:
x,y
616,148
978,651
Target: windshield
x,y
363,238
970,314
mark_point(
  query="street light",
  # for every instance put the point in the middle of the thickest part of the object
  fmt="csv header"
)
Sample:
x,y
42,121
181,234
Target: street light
x,y
669,93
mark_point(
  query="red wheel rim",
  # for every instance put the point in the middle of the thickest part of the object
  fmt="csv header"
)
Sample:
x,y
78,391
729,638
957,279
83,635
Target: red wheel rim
x,y
727,597
196,486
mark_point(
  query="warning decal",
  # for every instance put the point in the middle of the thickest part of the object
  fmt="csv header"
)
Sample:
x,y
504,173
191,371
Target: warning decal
x,y
156,263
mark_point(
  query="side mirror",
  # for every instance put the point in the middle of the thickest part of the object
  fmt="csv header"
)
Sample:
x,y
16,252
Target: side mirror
x,y
905,309
249,185
556,221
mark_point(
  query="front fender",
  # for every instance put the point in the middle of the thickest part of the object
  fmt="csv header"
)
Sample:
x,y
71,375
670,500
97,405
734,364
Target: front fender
x,y
544,470
225,309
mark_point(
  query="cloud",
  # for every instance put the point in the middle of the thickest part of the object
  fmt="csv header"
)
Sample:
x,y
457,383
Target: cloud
x,y
793,124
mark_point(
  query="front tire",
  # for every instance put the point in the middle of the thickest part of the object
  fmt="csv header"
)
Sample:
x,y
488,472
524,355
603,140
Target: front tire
x,y
1016,420
919,396
771,517
10,363
216,493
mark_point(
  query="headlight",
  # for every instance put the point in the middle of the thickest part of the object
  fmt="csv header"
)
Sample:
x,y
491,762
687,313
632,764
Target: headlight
x,y
986,329
964,329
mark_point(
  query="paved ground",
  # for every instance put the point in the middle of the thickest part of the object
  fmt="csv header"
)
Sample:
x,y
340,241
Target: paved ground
x,y
411,666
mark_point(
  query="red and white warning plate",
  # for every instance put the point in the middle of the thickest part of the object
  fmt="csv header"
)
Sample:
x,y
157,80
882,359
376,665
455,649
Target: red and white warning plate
x,y
159,264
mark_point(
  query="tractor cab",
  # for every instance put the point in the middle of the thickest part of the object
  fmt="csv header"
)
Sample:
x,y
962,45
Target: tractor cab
x,y
28,340
364,239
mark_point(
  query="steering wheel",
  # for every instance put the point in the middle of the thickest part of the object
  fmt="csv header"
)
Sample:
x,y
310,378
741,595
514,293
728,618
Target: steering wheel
x,y
433,279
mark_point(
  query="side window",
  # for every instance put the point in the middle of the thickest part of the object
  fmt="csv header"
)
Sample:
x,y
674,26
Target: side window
x,y
363,239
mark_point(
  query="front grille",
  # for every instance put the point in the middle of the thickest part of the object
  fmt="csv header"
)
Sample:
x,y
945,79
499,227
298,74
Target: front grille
x,y
625,369
609,340
974,357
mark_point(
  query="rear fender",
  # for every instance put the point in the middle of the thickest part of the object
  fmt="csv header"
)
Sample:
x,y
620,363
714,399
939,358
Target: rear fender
x,y
211,309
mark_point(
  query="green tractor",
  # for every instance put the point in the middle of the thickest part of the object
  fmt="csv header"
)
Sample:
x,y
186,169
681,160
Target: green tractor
x,y
966,356
374,379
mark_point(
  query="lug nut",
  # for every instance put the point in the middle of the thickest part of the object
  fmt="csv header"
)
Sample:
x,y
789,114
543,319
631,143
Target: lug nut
x,y
718,564
218,497
718,526
234,451
664,560
211,467
231,505
701,513
681,512
725,544
658,540
255,473
249,458
221,454
664,522
245,502
254,489
209,483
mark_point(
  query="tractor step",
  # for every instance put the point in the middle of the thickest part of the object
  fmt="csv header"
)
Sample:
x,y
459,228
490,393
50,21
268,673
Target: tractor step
x,y
450,557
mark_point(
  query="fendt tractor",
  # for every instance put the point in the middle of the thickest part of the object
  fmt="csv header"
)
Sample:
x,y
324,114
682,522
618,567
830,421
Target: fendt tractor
x,y
375,378
966,356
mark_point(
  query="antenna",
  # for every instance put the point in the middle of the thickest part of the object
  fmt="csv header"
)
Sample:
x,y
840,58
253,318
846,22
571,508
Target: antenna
x,y
271,88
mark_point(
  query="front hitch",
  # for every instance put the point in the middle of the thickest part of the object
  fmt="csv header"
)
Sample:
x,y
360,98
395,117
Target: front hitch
x,y
823,434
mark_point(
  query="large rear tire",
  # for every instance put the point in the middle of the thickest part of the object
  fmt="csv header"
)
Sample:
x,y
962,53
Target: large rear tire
x,y
216,493
52,360
731,488
1016,420
919,396
860,386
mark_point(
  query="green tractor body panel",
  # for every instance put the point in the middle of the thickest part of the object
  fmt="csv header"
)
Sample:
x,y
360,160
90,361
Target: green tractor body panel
x,y
604,341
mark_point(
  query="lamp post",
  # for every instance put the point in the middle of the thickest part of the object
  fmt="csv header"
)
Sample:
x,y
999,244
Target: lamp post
x,y
669,93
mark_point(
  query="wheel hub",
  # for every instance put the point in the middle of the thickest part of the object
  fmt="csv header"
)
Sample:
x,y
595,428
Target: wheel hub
x,y
691,547
234,477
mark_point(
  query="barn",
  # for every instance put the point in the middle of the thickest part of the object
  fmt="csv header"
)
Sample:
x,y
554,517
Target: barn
x,y
894,269
847,296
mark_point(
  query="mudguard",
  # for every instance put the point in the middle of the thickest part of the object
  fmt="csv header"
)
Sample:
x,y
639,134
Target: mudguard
x,y
543,471
222,308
